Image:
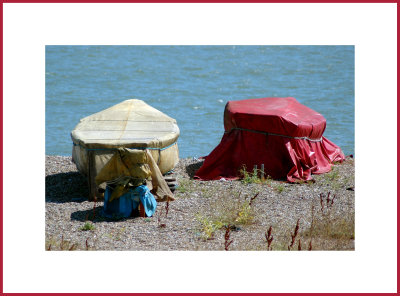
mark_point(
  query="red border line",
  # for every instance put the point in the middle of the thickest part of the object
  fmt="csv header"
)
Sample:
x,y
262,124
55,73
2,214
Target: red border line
x,y
398,141
1,157
200,1
166,1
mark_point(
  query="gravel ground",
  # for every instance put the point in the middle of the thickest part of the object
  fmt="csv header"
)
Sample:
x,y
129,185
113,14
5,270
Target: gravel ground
x,y
191,222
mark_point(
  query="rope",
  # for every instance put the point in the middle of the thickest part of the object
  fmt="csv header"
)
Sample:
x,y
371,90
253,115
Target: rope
x,y
272,134
111,149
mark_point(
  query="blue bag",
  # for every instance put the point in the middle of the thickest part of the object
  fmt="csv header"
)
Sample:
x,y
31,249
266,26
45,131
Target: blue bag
x,y
123,206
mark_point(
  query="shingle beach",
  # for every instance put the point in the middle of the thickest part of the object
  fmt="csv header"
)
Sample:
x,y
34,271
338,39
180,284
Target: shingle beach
x,y
199,216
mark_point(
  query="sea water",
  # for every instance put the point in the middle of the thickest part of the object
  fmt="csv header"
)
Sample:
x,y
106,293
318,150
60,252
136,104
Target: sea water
x,y
193,84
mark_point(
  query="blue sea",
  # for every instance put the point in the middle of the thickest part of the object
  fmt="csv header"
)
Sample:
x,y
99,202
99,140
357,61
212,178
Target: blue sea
x,y
193,83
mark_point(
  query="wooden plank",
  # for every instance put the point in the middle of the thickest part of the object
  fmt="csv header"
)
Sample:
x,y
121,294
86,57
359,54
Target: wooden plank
x,y
262,172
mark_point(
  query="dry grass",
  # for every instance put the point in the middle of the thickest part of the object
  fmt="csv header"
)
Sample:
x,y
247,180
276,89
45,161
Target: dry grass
x,y
326,229
61,245
229,209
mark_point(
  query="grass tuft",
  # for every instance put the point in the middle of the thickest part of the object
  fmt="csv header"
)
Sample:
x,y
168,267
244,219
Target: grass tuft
x,y
63,245
279,188
226,211
185,186
87,226
249,178
329,228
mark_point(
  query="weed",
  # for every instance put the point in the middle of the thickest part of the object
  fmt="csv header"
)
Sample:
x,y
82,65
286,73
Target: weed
x,y
336,228
332,175
326,202
245,214
321,202
296,230
329,201
253,178
253,198
326,226
226,211
87,226
269,238
167,207
312,226
208,227
279,188
249,178
268,181
62,245
227,236
333,179
185,186
161,225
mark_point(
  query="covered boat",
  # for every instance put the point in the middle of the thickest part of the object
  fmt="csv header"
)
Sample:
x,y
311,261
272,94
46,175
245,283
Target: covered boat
x,y
280,133
132,125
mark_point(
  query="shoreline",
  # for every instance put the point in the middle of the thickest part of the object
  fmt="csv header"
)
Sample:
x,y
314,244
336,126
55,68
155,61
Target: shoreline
x,y
196,220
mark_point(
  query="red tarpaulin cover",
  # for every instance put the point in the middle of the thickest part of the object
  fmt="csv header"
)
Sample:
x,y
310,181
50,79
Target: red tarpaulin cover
x,y
280,133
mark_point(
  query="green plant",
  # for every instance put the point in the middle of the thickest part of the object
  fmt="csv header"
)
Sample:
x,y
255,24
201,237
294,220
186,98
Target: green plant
x,y
333,179
208,227
268,181
279,188
249,178
185,185
332,175
226,210
87,226
245,214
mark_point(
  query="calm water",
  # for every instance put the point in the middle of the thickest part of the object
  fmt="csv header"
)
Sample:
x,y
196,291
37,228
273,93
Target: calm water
x,y
193,83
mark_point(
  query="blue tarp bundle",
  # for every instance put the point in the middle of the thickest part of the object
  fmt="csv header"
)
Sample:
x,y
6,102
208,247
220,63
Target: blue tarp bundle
x,y
123,206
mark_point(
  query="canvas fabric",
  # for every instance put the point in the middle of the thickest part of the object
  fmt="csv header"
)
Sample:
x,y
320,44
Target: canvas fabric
x,y
280,133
